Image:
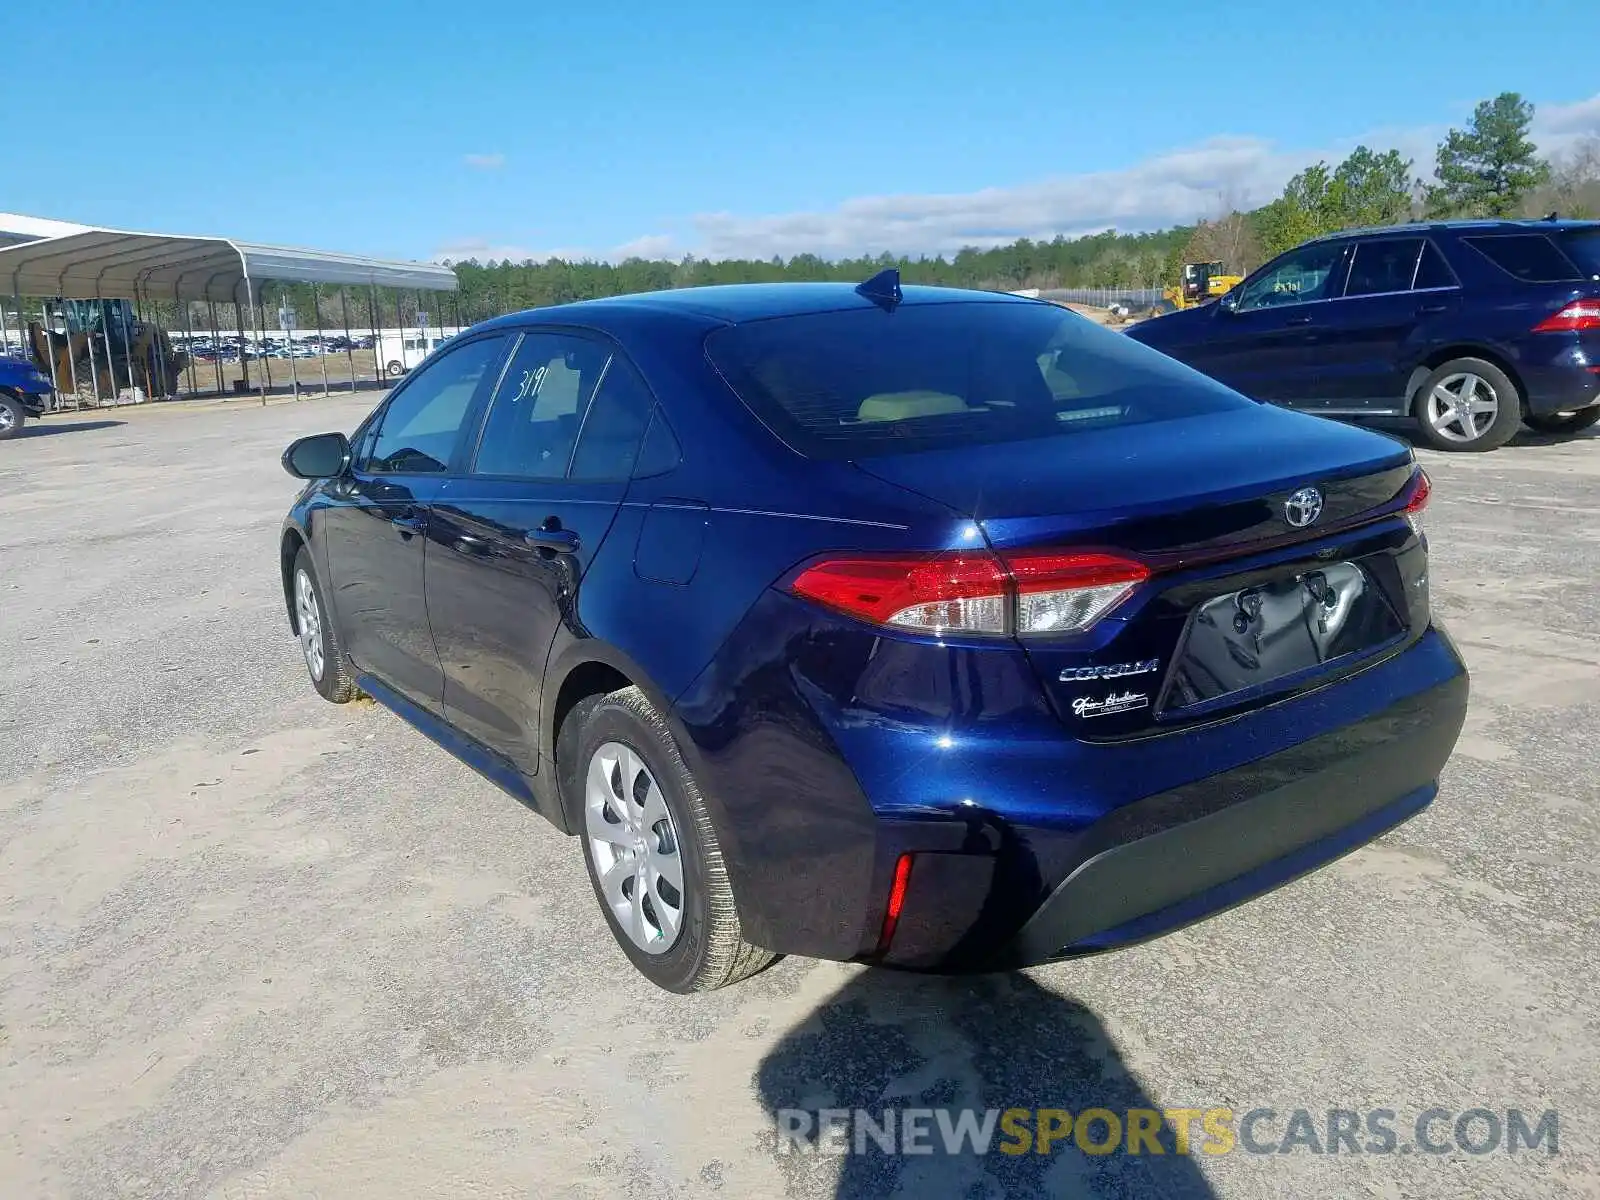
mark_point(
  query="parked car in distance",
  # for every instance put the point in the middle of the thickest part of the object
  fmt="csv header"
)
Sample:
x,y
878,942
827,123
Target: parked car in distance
x,y
936,629
24,392
1469,327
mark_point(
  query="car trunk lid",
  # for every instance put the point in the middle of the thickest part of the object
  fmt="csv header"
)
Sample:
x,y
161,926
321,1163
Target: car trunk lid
x,y
1277,544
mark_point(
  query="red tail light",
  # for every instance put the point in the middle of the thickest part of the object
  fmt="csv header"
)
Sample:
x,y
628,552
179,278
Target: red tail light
x,y
974,591
1421,489
1581,316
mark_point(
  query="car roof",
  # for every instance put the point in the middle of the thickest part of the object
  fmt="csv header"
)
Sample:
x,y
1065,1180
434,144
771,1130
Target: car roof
x,y
733,303
1483,225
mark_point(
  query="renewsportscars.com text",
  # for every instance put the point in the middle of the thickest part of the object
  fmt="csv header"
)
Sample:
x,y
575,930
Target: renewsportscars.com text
x,y
1214,1131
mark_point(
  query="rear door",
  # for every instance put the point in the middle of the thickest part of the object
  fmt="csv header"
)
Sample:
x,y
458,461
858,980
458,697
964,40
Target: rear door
x,y
374,531
1262,338
512,538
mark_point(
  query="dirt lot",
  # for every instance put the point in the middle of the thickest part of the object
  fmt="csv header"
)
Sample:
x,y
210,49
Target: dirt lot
x,y
253,945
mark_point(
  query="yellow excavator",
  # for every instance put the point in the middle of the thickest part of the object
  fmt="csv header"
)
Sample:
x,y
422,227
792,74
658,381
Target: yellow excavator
x,y
1202,283
99,349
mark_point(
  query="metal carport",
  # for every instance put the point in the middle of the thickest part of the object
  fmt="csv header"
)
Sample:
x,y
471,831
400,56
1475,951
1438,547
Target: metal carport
x,y
90,263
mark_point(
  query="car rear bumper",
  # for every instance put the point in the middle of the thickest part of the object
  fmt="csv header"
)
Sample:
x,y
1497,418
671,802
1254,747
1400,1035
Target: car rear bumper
x,y
1564,381
1182,854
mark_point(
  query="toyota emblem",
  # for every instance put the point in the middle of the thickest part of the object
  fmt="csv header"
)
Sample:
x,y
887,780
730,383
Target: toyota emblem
x,y
1303,507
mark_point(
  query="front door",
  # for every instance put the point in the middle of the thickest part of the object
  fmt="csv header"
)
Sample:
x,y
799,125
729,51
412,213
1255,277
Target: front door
x,y
375,530
1262,336
511,539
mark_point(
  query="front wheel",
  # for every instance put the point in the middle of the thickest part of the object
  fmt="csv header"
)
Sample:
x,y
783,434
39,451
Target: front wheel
x,y
1567,422
651,846
319,640
1467,404
12,417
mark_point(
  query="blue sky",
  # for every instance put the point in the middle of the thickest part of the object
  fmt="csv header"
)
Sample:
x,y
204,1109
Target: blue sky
x,y
414,128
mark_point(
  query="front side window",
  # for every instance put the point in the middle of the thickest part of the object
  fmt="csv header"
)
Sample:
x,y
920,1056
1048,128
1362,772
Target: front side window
x,y
418,431
1298,278
534,418
1382,267
862,381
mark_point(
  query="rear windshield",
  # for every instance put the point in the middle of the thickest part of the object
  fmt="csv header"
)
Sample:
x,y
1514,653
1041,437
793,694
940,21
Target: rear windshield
x,y
1531,257
1583,247
865,381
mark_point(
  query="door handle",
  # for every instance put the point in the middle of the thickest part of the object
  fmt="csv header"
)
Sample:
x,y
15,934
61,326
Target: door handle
x,y
550,536
408,523
1431,308
1297,321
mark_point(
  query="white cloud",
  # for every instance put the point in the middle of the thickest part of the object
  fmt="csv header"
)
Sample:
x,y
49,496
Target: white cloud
x,y
651,245
654,245
484,162
1170,188
1556,126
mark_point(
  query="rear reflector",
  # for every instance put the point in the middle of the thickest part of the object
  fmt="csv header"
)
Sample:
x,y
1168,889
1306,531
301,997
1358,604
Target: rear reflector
x,y
974,592
897,901
1578,317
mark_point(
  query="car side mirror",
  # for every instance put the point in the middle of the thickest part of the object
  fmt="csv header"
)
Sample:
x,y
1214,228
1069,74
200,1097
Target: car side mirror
x,y
320,456
1229,303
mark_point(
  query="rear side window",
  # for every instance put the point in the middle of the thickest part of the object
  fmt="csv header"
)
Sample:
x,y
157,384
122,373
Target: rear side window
x,y
1384,266
1531,257
1582,246
863,381
609,441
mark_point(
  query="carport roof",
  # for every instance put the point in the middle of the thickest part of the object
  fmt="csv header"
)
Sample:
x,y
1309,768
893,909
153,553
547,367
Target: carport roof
x,y
93,263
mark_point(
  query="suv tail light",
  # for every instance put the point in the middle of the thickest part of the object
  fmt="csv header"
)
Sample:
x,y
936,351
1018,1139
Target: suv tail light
x,y
1420,489
974,592
1580,316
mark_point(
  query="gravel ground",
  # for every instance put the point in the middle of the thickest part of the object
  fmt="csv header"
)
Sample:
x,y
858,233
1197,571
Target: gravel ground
x,y
254,945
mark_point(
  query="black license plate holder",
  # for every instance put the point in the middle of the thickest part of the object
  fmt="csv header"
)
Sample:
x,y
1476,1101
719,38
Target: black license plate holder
x,y
1268,637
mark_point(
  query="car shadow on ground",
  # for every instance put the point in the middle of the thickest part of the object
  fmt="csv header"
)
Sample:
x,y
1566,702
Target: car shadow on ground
x,y
35,429
888,1040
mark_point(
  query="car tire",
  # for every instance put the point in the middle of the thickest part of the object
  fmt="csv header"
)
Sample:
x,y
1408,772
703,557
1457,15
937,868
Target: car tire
x,y
624,781
319,646
395,369
12,417
1467,404
1569,422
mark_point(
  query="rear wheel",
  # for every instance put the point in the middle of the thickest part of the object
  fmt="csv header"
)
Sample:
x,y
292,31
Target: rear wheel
x,y
12,417
1467,404
1567,422
651,846
395,369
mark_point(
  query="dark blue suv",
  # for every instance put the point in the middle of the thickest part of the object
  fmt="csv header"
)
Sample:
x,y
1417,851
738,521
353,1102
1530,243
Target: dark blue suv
x,y
937,629
1470,327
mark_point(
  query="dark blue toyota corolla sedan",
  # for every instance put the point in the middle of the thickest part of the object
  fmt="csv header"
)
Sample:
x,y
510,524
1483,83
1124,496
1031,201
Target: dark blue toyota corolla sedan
x,y
937,629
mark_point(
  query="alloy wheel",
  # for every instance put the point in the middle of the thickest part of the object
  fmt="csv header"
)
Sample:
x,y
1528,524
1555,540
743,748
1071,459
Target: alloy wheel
x,y
8,419
309,618
1461,407
634,846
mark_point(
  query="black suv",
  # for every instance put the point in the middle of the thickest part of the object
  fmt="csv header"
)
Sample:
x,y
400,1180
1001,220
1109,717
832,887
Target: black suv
x,y
1470,327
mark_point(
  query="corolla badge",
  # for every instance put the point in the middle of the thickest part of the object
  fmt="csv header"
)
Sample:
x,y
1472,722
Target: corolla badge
x,y
1303,507
1109,670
